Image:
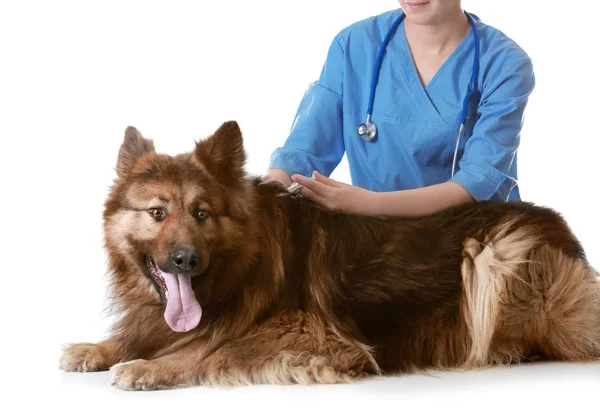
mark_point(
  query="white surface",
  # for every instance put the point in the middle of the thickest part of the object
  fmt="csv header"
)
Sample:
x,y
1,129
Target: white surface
x,y
73,75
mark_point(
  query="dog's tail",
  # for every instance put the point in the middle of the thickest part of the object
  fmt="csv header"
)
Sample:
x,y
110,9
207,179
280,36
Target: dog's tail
x,y
522,298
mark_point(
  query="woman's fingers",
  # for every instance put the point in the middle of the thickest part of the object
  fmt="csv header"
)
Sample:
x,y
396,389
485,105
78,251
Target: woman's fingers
x,y
313,196
321,190
328,181
317,187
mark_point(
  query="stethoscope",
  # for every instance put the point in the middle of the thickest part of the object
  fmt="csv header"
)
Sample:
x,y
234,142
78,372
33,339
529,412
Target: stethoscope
x,y
368,131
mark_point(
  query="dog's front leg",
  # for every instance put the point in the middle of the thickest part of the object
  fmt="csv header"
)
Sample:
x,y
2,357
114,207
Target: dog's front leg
x,y
277,352
135,336
92,357
181,368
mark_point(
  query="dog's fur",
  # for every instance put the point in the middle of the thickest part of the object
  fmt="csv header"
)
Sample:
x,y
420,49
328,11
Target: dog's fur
x,y
292,293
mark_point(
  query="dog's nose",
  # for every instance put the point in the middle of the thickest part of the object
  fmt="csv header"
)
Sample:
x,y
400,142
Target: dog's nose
x,y
186,260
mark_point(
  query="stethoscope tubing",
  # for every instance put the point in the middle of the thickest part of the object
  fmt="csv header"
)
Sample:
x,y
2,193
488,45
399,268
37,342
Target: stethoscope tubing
x,y
368,130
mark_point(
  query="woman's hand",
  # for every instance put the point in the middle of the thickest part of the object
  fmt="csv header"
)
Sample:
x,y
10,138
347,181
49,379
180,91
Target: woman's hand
x,y
277,176
337,196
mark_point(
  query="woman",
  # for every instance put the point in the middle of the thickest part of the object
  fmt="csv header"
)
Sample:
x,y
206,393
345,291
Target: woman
x,y
418,103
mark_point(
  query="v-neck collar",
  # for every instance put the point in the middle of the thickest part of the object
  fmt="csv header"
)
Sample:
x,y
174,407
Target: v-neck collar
x,y
448,60
418,92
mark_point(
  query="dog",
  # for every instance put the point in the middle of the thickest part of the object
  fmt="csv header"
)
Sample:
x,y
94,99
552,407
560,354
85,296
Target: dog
x,y
221,279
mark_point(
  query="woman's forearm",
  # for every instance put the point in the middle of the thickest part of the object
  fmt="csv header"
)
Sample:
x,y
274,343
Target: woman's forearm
x,y
420,201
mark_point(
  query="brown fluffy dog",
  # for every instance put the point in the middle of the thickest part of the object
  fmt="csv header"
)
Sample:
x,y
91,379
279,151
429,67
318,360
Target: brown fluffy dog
x,y
222,280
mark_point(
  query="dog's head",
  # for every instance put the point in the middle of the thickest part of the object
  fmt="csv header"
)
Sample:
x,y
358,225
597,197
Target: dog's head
x,y
170,220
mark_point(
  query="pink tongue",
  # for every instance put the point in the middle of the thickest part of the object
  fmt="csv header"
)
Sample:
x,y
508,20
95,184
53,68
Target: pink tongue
x,y
183,311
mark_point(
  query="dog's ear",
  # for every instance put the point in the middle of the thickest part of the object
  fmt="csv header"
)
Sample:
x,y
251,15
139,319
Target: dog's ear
x,y
223,155
133,147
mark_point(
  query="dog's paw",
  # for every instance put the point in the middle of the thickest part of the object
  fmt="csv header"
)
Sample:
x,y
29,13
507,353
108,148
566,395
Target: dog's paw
x,y
143,375
84,357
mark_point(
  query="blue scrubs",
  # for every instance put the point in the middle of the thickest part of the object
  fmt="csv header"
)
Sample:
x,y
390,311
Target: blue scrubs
x,y
417,126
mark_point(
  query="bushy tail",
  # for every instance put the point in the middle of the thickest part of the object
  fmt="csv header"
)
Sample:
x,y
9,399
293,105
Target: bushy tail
x,y
522,299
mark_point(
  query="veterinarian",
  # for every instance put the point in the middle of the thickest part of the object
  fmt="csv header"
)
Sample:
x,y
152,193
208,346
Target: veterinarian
x,y
433,123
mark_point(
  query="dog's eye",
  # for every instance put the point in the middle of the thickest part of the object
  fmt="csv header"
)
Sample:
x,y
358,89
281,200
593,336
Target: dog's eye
x,y
202,215
158,213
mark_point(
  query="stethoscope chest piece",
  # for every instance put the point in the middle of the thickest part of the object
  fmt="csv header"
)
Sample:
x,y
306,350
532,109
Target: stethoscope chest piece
x,y
367,131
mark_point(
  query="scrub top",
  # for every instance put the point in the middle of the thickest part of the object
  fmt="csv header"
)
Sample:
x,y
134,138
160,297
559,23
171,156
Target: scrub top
x,y
416,126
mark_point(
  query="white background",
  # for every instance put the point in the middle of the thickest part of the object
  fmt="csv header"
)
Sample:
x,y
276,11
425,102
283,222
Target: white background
x,y
73,75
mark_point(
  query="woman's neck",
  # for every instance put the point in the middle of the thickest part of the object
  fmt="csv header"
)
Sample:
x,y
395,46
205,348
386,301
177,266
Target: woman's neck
x,y
437,38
